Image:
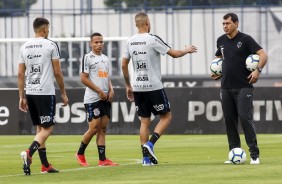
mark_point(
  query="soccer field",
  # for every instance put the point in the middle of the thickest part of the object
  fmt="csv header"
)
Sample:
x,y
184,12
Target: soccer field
x,y
182,159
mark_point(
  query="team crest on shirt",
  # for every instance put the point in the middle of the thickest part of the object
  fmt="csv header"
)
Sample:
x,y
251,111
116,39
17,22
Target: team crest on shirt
x,y
239,44
96,112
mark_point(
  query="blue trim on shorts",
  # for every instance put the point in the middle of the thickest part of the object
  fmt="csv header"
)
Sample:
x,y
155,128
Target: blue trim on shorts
x,y
52,108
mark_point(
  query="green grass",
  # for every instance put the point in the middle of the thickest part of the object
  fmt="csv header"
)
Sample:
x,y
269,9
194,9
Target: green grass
x,y
182,159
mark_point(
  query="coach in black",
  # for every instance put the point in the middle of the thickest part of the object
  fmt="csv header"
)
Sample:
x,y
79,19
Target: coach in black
x,y
236,83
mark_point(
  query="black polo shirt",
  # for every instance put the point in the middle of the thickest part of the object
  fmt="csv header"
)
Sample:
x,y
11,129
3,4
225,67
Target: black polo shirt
x,y
234,52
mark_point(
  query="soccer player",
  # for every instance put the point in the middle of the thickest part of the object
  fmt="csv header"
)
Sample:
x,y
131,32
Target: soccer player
x,y
146,90
97,99
39,59
237,83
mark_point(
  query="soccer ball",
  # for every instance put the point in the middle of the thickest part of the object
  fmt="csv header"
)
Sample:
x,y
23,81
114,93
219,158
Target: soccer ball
x,y
216,66
252,62
237,156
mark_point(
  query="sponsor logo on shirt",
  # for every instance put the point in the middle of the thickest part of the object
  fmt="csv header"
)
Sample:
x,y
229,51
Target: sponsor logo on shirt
x,y
30,56
37,90
34,81
142,78
33,46
137,53
35,68
102,74
34,74
142,65
138,43
143,86
92,66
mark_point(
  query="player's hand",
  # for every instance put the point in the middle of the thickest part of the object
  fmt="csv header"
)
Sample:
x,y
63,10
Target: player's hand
x,y
129,93
23,105
253,77
65,100
110,96
215,77
191,48
103,96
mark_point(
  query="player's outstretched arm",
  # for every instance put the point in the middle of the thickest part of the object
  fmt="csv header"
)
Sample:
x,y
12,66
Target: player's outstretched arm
x,y
179,53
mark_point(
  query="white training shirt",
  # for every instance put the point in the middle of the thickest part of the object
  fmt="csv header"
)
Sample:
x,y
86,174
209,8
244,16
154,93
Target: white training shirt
x,y
37,55
144,50
97,66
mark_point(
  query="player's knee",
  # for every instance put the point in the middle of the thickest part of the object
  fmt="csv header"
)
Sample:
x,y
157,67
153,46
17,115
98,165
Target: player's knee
x,y
92,131
167,117
102,130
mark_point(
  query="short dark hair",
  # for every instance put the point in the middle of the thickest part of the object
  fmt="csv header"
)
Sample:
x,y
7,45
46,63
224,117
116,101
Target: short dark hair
x,y
39,21
233,16
95,34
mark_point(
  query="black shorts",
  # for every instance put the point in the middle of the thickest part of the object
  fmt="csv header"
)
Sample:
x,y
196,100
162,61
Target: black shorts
x,y
148,102
42,109
98,109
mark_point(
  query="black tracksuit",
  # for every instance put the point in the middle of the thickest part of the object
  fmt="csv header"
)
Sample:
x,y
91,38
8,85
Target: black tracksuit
x,y
236,92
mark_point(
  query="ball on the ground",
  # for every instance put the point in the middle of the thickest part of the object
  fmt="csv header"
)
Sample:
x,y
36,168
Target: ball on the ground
x,y
252,62
237,156
216,66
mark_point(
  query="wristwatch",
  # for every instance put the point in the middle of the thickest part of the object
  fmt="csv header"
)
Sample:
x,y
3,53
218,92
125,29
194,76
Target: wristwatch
x,y
259,69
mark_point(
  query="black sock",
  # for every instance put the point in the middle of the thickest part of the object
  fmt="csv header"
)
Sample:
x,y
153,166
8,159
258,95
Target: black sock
x,y
33,147
43,157
144,153
154,137
82,148
102,152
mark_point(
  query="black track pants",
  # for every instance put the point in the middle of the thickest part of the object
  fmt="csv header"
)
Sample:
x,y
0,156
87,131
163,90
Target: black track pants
x,y
237,104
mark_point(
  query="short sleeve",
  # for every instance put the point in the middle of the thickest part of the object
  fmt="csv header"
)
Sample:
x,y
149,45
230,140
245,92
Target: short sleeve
x,y
55,51
85,64
218,51
252,44
160,46
21,59
126,51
